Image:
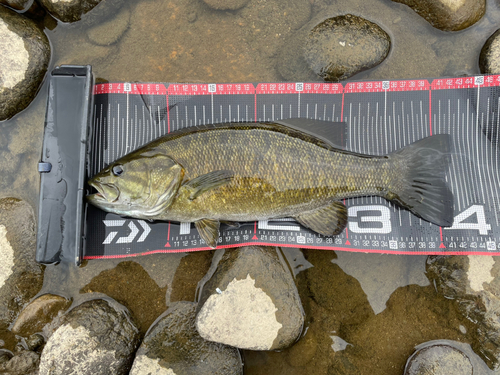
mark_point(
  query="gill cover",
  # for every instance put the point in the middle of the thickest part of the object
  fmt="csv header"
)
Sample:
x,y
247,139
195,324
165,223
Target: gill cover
x,y
164,179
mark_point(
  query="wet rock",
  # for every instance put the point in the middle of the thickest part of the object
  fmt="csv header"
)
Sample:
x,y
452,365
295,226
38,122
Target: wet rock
x,y
226,4
473,282
24,58
75,10
448,15
35,341
173,346
39,313
250,300
438,360
110,32
20,276
96,337
342,46
489,59
23,363
21,5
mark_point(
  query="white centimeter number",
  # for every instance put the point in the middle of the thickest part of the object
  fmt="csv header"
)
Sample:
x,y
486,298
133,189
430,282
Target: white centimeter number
x,y
379,215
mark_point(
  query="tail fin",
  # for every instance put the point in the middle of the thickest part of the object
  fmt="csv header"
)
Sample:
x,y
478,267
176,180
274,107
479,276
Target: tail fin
x,y
422,187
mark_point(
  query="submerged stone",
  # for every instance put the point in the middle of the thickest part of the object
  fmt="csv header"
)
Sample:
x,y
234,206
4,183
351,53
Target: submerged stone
x,y
20,5
473,281
96,337
438,360
174,347
39,313
448,15
20,276
250,301
226,4
24,58
489,59
23,363
342,46
75,10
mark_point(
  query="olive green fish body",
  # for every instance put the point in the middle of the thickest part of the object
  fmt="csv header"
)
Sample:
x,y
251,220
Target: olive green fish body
x,y
258,171
275,174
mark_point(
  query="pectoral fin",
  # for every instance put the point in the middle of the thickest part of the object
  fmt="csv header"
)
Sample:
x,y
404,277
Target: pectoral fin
x,y
328,221
209,181
209,231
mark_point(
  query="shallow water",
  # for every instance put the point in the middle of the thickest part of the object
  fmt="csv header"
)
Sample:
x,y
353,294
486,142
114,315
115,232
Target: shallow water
x,y
365,312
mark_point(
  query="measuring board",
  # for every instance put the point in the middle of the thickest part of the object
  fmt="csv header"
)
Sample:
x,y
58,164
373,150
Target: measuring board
x,y
380,117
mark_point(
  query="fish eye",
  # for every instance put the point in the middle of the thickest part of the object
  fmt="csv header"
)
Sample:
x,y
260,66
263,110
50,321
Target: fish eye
x,y
117,170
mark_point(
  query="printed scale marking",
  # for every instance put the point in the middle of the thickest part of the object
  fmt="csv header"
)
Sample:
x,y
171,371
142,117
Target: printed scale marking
x,y
381,116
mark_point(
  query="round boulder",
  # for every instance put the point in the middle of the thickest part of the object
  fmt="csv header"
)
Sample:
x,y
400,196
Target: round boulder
x,y
22,363
489,59
448,15
342,46
95,337
172,346
24,58
438,360
20,5
226,4
76,10
39,313
20,276
250,300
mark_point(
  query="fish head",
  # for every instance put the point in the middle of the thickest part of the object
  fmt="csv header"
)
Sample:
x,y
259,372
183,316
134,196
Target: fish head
x,y
139,185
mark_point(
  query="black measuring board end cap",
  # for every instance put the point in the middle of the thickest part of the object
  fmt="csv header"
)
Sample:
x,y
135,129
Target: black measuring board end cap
x,y
62,167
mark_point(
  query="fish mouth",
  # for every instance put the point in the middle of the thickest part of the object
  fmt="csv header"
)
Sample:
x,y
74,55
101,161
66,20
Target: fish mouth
x,y
106,193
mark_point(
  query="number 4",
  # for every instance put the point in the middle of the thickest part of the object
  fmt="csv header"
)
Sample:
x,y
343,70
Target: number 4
x,y
480,225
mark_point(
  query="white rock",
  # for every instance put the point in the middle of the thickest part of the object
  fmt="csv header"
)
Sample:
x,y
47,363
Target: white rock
x,y
16,60
479,272
66,345
256,327
7,256
145,365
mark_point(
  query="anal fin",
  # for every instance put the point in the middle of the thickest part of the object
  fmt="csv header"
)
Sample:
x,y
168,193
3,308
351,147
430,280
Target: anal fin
x,y
209,231
328,220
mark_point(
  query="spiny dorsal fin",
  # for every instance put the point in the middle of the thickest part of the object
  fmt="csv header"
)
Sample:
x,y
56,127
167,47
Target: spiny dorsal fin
x,y
328,220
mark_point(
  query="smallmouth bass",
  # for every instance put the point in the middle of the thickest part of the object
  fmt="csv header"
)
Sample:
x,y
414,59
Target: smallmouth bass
x,y
257,171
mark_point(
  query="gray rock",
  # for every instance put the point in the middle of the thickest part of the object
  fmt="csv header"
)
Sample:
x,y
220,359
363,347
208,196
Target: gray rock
x,y
95,337
448,15
76,10
172,346
110,32
226,4
473,281
20,276
250,300
24,58
489,59
439,360
23,363
20,5
342,46
39,313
